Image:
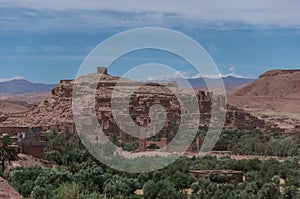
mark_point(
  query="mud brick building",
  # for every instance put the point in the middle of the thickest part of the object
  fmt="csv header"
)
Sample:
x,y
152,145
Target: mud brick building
x,y
56,113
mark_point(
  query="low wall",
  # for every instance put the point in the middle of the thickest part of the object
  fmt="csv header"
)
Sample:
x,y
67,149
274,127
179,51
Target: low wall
x,y
35,149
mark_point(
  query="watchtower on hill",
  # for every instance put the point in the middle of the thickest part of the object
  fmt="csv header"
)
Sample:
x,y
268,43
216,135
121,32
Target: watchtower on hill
x,y
102,70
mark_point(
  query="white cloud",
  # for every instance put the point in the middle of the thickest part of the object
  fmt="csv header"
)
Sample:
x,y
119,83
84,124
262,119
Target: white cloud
x,y
232,69
231,72
185,75
10,79
256,13
172,76
213,76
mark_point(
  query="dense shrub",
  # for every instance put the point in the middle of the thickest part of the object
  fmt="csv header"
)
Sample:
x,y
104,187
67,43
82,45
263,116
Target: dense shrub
x,y
81,176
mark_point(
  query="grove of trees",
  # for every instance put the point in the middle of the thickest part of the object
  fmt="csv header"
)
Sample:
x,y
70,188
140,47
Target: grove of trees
x,y
79,175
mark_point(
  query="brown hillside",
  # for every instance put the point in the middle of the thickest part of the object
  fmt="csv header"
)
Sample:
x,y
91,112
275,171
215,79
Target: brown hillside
x,y
22,102
14,106
274,96
274,84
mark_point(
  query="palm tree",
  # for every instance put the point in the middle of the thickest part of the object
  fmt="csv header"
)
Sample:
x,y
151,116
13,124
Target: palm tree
x,y
7,153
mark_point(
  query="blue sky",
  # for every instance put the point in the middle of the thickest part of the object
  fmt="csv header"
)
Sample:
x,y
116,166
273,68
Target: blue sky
x,y
45,41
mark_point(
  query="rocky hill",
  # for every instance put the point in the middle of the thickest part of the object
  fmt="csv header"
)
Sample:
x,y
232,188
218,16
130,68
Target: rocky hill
x,y
14,105
10,103
277,84
274,96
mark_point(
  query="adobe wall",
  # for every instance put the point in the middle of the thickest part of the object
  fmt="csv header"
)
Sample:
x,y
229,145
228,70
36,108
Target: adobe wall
x,y
35,149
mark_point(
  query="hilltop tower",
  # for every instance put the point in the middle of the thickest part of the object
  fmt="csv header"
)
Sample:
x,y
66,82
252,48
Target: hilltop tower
x,y
102,70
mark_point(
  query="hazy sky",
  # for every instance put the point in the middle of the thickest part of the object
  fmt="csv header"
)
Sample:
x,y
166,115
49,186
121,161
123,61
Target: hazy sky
x,y
45,41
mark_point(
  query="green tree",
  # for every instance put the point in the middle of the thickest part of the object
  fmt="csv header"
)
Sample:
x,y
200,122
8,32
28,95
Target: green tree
x,y
150,190
269,190
90,177
290,192
195,187
7,153
22,179
41,193
180,180
52,179
54,157
67,191
163,189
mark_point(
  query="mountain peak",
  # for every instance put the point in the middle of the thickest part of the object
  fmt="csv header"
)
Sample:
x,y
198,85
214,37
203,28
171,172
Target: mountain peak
x,y
21,86
11,79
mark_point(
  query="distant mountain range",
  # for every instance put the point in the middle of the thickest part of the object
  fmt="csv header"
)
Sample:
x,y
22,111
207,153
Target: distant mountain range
x,y
21,86
228,80
201,82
